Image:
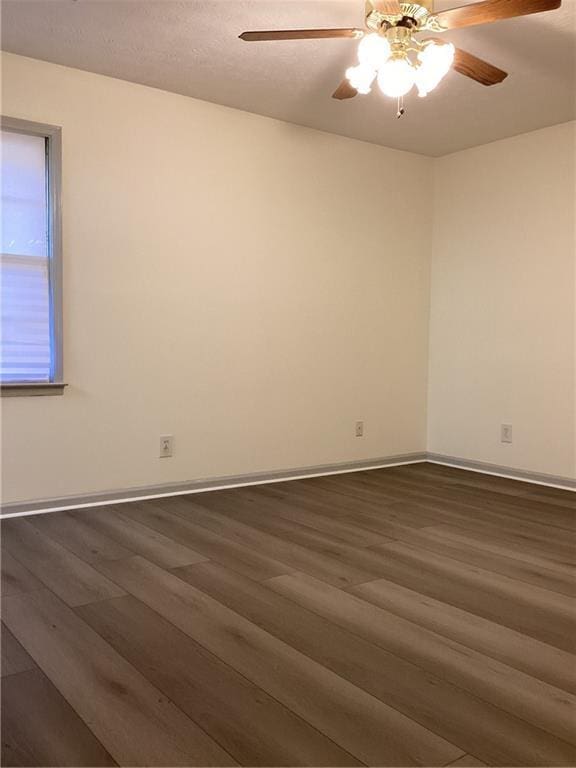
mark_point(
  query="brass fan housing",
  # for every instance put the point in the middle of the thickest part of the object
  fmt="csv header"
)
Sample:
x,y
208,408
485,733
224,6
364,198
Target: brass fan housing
x,y
415,16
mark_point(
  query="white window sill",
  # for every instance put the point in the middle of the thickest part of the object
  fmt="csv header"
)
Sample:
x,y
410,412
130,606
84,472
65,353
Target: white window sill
x,y
32,389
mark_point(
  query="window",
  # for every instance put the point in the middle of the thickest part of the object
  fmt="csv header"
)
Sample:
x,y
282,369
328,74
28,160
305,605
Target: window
x,y
30,267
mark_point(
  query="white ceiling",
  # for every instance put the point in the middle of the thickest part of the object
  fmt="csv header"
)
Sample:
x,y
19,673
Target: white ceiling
x,y
192,48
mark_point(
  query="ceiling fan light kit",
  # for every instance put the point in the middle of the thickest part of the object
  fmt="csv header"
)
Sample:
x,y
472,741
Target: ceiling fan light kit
x,y
390,53
399,62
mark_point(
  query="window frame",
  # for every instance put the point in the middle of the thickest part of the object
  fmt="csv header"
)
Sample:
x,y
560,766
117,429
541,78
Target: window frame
x,y
53,136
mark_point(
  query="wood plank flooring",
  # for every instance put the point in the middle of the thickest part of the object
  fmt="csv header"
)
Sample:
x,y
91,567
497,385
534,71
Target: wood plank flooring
x,y
410,616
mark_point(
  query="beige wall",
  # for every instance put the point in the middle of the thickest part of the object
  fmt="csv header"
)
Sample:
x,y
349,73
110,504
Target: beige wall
x,y
502,331
242,284
232,280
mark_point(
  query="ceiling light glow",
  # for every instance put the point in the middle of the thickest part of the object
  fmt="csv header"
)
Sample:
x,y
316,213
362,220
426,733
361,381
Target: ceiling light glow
x,y
361,77
396,77
434,63
399,61
373,51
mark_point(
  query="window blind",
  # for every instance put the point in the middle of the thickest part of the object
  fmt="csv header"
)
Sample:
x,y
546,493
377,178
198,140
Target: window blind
x,y
25,332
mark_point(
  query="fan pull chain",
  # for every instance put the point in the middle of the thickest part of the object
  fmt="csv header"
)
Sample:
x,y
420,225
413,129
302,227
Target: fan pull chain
x,y
400,106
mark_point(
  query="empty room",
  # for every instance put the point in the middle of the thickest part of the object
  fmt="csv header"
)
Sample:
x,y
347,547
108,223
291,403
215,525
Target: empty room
x,y
288,378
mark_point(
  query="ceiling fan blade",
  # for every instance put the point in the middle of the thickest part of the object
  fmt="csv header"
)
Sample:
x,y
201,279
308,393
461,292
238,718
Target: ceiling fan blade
x,y
301,34
492,10
344,91
477,69
388,7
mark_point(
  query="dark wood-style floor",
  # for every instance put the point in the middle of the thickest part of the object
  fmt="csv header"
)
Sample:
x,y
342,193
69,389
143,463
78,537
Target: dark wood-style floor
x,y
416,615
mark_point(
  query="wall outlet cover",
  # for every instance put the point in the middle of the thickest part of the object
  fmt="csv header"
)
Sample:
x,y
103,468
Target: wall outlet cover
x,y
166,446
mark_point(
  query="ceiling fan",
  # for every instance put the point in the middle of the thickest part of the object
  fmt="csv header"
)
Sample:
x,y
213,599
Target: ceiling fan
x,y
390,53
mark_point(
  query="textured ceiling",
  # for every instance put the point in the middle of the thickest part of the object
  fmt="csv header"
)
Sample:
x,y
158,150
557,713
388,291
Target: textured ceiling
x,y
192,48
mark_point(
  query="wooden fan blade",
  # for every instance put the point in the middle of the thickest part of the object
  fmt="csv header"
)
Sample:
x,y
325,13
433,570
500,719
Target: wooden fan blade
x,y
344,91
301,34
388,7
492,10
471,66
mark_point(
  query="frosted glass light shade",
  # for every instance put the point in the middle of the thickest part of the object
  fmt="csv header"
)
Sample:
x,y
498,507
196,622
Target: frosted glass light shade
x,y
434,63
373,51
361,77
396,77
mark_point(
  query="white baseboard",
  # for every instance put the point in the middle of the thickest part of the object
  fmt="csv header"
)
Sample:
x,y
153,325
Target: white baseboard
x,y
106,498
523,476
118,496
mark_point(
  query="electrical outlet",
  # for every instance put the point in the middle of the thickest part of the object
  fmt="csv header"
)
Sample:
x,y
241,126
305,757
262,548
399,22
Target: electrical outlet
x,y
506,433
359,432
166,446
